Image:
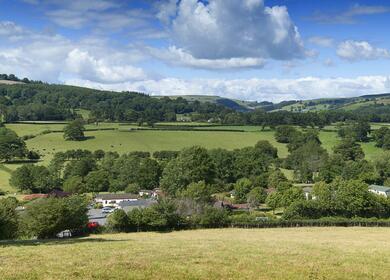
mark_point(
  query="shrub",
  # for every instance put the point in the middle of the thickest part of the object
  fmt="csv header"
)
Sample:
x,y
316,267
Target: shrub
x,y
8,218
118,221
47,217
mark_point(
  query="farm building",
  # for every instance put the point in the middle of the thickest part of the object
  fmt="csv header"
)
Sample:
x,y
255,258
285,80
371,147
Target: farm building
x,y
114,199
380,190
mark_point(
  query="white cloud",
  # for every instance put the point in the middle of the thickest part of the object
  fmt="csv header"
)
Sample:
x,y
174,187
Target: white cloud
x,y
275,90
52,58
325,42
349,16
179,57
85,66
228,29
360,50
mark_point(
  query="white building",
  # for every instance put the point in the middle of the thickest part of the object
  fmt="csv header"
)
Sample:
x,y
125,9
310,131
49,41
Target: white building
x,y
380,190
114,199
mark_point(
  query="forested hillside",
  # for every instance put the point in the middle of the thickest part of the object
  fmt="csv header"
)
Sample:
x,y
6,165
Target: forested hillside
x,y
36,101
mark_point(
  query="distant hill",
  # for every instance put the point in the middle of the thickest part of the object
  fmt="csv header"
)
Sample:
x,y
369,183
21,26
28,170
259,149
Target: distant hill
x,y
313,105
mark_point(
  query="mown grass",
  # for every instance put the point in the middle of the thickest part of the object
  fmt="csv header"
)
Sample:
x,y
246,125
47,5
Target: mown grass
x,y
288,253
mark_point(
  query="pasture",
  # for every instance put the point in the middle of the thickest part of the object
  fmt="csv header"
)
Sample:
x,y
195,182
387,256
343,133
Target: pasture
x,y
123,140
288,253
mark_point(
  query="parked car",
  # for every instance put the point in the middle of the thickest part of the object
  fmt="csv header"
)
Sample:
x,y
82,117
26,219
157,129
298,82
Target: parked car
x,y
107,210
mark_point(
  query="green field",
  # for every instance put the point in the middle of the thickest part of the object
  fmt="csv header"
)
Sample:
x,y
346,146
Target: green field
x,y
123,140
288,253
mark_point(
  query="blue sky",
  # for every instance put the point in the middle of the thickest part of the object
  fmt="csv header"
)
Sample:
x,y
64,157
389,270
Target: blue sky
x,y
244,49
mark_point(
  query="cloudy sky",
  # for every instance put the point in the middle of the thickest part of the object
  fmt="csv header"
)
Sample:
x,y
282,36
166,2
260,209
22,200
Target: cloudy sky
x,y
244,49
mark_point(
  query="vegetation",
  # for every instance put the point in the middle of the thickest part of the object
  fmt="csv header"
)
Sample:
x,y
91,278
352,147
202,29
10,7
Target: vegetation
x,y
303,253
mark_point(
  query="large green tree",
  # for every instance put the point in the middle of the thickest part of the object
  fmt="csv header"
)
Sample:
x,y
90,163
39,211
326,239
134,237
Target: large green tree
x,y
191,166
74,130
11,146
47,217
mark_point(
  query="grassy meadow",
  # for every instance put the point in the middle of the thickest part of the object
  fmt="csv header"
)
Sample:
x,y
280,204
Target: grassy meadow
x,y
288,253
122,140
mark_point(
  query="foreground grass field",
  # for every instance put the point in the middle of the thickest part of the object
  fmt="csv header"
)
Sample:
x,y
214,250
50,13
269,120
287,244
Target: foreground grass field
x,y
290,253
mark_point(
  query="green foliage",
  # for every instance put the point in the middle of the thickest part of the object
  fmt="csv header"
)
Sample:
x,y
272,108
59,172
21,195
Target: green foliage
x,y
74,130
342,198
306,160
74,184
349,149
46,218
242,188
358,131
97,181
8,219
285,133
191,166
32,178
212,217
11,146
256,196
199,192
118,221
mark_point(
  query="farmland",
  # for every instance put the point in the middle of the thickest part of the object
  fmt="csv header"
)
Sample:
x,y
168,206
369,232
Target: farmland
x,y
122,140
293,253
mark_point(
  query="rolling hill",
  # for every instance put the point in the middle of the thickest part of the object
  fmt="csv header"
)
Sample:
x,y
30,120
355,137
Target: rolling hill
x,y
350,103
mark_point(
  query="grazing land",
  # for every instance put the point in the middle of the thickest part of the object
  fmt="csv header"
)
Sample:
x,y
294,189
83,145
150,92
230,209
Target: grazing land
x,y
121,139
288,253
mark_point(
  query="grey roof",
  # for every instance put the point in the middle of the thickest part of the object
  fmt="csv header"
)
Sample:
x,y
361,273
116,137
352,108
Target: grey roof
x,y
137,203
380,188
307,189
112,196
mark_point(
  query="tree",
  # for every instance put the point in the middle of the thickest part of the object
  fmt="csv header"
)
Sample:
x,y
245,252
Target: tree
x,y
199,192
147,174
46,218
97,181
242,188
284,133
192,165
74,184
275,178
273,200
306,160
11,146
32,178
74,130
8,218
224,165
256,196
118,221
349,149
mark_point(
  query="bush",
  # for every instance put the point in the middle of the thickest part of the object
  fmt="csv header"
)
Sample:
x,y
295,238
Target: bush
x,y
8,218
47,217
212,217
118,221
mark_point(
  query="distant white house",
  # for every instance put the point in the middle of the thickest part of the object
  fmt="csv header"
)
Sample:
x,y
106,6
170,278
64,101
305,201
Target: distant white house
x,y
114,199
380,190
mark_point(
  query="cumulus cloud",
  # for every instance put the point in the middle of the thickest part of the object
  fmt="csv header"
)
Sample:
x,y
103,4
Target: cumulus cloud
x,y
275,90
53,57
244,32
360,50
85,66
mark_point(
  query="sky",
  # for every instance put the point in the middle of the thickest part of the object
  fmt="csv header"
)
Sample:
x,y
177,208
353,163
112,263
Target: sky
x,y
256,50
